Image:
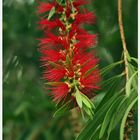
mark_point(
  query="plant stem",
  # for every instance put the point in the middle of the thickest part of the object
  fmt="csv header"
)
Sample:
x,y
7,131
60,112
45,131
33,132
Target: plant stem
x,y
125,52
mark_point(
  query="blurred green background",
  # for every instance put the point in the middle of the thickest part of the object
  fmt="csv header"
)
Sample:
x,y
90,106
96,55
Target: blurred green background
x,y
28,109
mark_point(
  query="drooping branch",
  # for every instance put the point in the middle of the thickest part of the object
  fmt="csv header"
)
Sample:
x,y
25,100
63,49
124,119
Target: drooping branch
x,y
125,52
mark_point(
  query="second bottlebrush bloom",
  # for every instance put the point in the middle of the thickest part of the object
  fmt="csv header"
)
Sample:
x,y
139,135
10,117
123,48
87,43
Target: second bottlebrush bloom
x,y
70,66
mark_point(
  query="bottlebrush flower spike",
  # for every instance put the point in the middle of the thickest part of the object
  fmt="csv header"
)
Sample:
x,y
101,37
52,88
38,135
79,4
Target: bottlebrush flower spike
x,y
70,69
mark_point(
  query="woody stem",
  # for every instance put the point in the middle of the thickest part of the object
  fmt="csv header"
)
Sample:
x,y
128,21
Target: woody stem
x,y
125,51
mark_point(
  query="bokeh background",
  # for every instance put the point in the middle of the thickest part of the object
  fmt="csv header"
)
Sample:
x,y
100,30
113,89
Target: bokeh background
x,y
28,109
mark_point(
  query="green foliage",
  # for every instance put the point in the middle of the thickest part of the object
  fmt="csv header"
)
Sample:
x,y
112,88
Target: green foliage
x,y
51,13
119,103
61,110
84,103
90,71
108,116
129,84
79,98
106,69
61,2
125,117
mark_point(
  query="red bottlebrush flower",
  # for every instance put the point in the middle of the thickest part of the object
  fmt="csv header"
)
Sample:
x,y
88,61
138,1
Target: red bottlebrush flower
x,y
70,68
51,55
77,3
88,18
44,7
60,91
54,74
90,82
49,25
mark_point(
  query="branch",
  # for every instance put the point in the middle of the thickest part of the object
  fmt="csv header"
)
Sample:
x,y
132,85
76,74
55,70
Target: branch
x,y
123,37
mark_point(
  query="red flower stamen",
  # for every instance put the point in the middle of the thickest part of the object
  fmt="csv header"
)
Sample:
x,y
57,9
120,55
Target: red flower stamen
x,y
69,65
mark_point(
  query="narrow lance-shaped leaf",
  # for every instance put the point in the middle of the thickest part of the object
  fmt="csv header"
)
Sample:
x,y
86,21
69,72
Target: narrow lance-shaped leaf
x,y
132,70
90,71
108,116
114,87
91,126
53,83
121,110
111,66
134,59
112,79
129,84
61,2
51,13
125,117
78,98
87,101
62,109
89,111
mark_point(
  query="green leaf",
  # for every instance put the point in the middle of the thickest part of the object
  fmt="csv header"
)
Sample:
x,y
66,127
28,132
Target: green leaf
x,y
127,55
112,89
53,83
95,135
88,111
129,84
92,125
120,110
112,121
132,70
134,59
110,128
112,79
71,0
87,101
78,98
109,67
51,13
61,2
68,61
84,103
125,117
109,115
90,71
61,110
